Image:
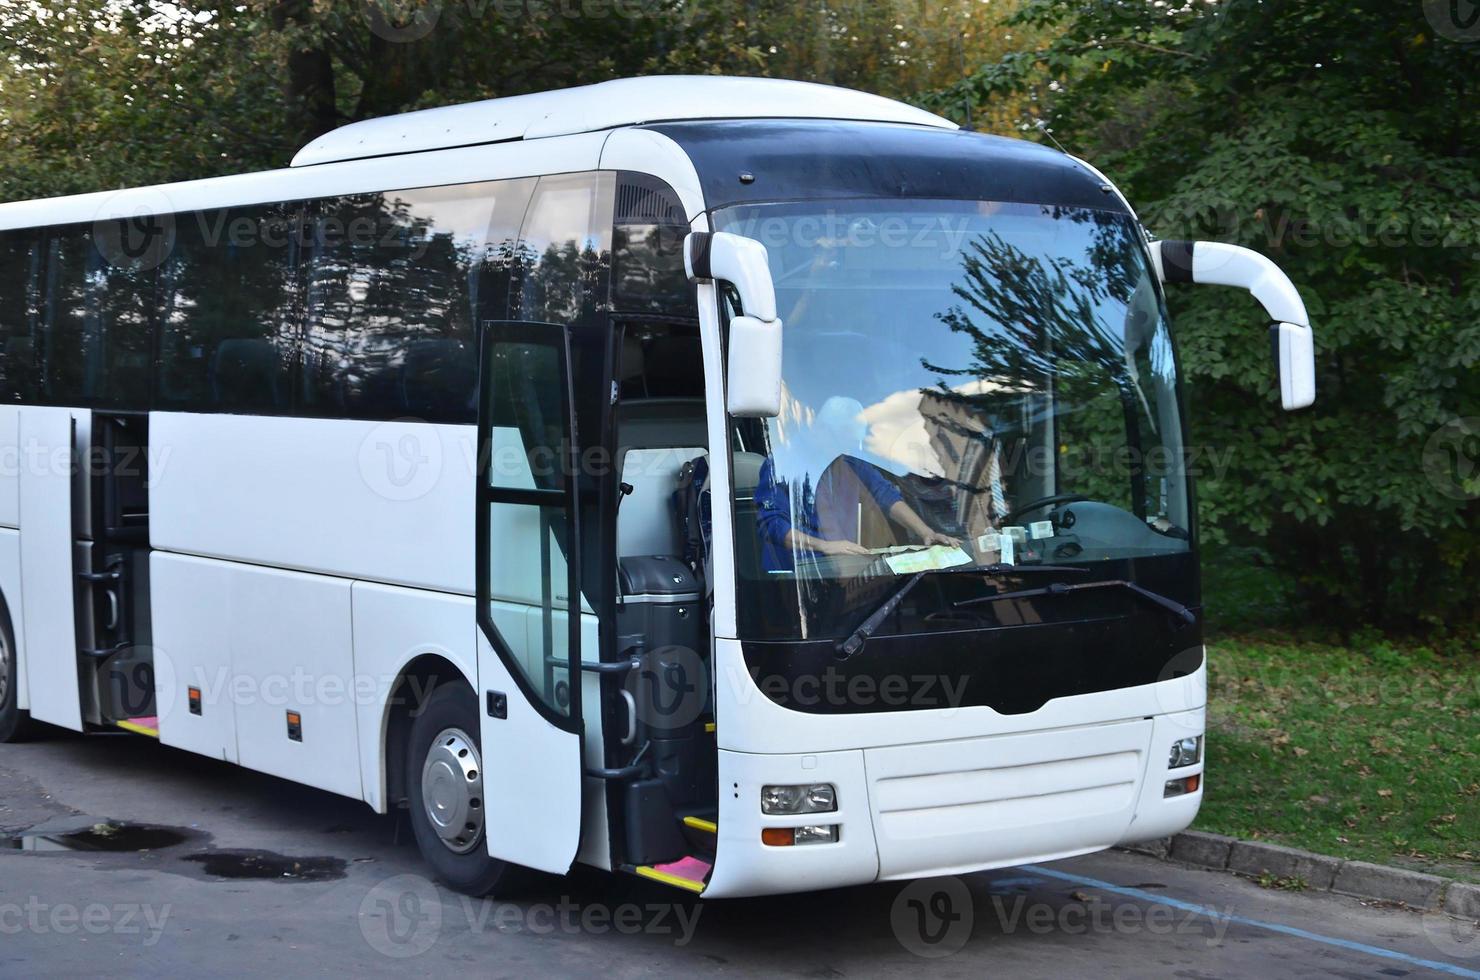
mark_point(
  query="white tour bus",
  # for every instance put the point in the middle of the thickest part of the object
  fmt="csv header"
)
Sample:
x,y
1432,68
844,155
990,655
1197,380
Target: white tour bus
x,y
853,441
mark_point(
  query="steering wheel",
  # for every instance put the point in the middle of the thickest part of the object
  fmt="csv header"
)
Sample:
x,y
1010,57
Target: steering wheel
x,y
1040,503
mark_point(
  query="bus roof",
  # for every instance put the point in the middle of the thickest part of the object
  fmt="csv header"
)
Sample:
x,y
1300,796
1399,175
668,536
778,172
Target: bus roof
x,y
606,105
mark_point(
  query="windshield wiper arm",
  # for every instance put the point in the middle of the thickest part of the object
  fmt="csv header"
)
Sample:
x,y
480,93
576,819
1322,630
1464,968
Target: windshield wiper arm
x,y
1061,588
855,641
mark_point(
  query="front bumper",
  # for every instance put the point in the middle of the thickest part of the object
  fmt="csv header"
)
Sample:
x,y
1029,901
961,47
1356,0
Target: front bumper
x,y
950,807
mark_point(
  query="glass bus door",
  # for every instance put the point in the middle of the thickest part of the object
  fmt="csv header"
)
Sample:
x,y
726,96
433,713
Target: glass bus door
x,y
530,609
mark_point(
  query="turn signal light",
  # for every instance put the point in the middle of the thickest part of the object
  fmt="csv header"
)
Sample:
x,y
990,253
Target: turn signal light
x,y
1183,786
778,836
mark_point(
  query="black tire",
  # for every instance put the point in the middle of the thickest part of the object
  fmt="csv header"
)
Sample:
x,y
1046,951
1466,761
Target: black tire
x,y
453,706
15,724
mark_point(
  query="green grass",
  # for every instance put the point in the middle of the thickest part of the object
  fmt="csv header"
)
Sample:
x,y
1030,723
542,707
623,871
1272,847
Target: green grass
x,y
1371,753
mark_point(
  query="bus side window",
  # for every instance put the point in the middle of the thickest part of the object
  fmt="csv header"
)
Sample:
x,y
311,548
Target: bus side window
x,y
227,323
396,282
20,263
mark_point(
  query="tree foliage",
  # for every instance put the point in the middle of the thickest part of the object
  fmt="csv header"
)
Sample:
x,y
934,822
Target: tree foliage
x,y
109,93
1336,136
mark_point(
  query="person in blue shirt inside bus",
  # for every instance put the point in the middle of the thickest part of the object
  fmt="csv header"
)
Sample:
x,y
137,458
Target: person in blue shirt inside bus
x,y
815,509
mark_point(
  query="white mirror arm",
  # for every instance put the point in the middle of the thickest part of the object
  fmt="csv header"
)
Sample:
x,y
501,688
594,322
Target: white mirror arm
x,y
1219,264
741,262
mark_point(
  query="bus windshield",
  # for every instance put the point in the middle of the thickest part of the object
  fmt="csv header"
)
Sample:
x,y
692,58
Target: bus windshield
x,y
963,383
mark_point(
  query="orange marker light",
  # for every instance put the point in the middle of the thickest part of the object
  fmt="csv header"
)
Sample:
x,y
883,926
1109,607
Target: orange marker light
x,y
778,836
1193,782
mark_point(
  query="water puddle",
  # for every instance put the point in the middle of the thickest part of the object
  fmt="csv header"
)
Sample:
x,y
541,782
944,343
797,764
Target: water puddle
x,y
80,834
105,837
264,865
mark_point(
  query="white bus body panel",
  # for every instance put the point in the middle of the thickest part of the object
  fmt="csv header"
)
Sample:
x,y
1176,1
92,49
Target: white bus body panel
x,y
259,642
560,155
45,497
291,651
10,588
986,790
392,627
382,501
190,608
11,461
955,806
607,105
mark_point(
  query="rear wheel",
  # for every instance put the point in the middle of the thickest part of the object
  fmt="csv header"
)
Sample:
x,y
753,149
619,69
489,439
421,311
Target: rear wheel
x,y
14,723
444,781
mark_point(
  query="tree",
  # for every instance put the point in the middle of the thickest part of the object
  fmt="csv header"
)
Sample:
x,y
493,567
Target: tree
x,y
1335,136
111,93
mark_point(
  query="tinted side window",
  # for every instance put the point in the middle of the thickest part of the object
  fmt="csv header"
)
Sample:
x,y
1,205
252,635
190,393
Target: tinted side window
x,y
397,283
565,249
647,249
69,355
20,262
228,321
78,319
122,311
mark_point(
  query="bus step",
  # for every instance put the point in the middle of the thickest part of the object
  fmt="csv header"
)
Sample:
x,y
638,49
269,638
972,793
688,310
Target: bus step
x,y
140,726
700,828
687,873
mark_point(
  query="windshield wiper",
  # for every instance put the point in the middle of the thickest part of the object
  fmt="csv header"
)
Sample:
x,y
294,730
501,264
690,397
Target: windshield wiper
x,y
855,641
1061,588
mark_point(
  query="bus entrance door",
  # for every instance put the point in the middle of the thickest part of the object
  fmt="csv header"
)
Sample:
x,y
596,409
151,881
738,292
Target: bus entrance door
x,y
530,609
49,486
113,570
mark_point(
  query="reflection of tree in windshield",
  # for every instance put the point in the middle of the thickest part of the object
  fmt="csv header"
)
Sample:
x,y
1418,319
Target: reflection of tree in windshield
x,y
1048,337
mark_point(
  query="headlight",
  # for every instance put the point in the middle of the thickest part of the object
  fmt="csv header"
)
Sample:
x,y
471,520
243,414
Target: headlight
x,y
1185,752
813,798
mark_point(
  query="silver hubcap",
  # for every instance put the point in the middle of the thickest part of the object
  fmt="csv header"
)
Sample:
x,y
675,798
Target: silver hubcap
x,y
4,669
452,790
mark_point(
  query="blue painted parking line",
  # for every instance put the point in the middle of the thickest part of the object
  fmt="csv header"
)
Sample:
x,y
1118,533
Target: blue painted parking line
x,y
1388,954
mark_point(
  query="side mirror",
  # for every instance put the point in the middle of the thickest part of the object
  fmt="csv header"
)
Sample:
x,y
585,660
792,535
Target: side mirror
x,y
1217,264
753,382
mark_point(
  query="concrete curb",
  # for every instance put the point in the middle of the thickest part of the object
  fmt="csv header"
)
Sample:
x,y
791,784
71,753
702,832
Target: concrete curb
x,y
1358,879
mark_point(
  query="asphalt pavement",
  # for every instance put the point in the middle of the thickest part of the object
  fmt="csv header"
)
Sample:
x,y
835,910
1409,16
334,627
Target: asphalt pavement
x,y
249,874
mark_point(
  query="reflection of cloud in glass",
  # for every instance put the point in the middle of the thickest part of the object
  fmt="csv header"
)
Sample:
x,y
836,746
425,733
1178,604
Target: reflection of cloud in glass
x,y
795,418
906,428
563,215
448,211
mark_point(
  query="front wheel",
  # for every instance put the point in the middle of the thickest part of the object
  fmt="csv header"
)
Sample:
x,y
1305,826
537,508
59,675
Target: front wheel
x,y
445,785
